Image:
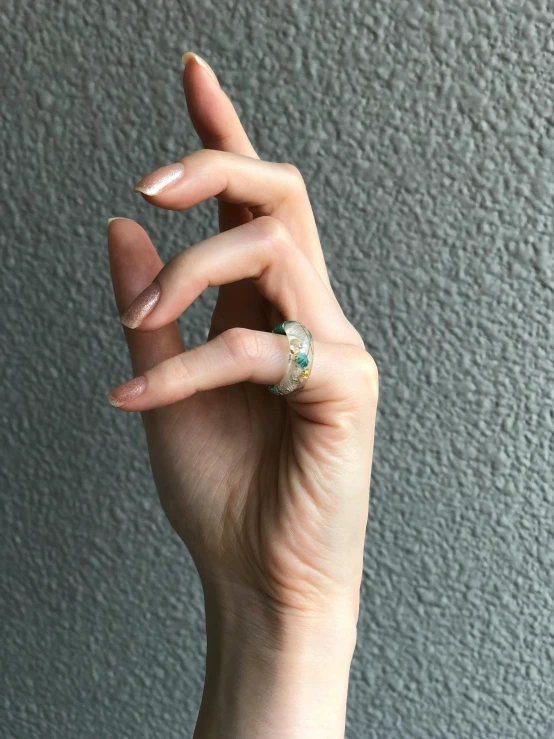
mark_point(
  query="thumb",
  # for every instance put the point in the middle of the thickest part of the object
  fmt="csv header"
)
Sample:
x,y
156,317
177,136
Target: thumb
x,y
134,264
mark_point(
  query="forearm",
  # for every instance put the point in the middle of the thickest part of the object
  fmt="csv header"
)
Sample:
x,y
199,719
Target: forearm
x,y
276,676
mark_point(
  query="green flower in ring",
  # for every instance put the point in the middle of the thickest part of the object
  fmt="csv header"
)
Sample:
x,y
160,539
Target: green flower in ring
x,y
302,360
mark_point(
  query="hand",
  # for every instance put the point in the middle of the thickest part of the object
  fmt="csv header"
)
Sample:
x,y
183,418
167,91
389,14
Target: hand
x,y
269,494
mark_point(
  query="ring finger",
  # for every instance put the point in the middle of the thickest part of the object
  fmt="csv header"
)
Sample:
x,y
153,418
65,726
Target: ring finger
x,y
241,355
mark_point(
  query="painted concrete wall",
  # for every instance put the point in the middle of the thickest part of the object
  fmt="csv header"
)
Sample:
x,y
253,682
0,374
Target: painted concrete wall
x,y
425,132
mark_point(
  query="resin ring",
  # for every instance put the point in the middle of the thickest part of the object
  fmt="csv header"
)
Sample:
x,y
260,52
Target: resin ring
x,y
301,355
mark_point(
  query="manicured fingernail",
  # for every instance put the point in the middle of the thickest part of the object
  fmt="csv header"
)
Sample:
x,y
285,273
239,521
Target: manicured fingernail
x,y
117,218
141,306
161,179
128,391
187,56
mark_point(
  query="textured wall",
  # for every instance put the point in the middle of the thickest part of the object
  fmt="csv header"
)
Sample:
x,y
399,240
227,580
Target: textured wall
x,y
425,131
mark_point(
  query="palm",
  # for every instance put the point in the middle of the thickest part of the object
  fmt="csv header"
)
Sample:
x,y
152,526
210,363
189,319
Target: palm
x,y
223,465
208,454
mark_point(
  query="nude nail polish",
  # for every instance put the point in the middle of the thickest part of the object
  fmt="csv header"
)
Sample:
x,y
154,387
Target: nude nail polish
x,y
117,218
161,179
188,55
141,306
128,391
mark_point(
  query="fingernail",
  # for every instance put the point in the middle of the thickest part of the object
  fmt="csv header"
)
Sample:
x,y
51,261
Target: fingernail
x,y
161,179
117,218
128,391
141,306
187,56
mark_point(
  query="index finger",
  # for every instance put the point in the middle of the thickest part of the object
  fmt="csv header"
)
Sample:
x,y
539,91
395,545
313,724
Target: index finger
x,y
212,113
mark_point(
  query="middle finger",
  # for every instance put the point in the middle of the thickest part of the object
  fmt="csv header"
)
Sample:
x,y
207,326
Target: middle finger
x,y
262,250
265,188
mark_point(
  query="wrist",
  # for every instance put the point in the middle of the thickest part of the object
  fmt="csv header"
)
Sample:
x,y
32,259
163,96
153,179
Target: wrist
x,y
275,672
238,611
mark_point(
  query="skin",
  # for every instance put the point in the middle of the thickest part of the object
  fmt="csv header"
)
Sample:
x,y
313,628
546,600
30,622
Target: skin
x,y
269,494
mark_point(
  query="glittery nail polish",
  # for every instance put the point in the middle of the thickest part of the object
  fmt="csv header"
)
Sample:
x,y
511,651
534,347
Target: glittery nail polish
x,y
161,179
141,306
128,391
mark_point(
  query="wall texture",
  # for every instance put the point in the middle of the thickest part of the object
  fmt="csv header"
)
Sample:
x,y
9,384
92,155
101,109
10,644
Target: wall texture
x,y
425,131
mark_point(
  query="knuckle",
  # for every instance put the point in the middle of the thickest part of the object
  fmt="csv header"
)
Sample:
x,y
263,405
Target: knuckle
x,y
359,340
273,232
366,373
203,158
241,343
294,174
355,338
181,369
207,154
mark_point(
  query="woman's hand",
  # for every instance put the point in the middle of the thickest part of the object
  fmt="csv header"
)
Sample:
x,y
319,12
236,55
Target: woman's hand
x,y
270,494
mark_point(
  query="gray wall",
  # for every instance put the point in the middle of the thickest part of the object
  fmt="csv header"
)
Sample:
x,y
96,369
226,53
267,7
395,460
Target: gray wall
x,y
425,133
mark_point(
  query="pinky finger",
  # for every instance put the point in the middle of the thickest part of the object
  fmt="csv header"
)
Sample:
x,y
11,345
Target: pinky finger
x,y
243,355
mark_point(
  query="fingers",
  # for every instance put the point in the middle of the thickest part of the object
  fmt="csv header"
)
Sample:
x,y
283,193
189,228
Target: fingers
x,y
134,263
218,125
265,188
339,373
211,111
178,187
262,250
235,178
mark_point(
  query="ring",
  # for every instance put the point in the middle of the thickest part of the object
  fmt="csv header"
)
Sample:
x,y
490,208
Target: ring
x,y
301,356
